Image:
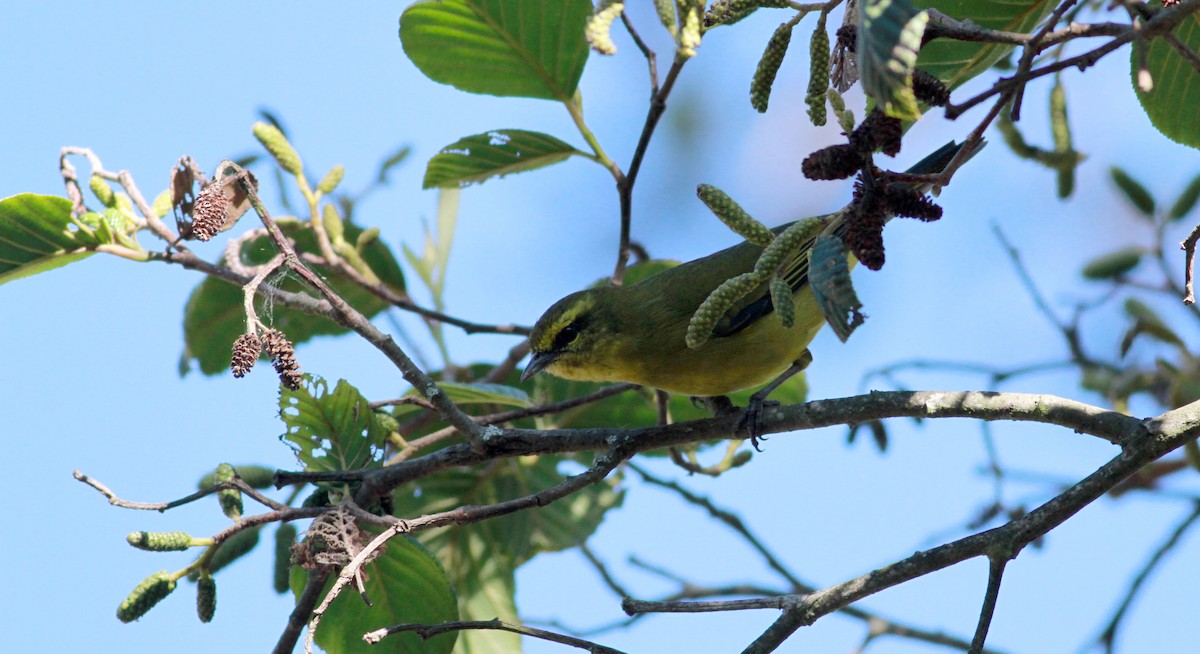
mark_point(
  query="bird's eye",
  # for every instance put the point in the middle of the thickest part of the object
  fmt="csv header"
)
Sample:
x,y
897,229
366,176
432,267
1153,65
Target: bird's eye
x,y
567,335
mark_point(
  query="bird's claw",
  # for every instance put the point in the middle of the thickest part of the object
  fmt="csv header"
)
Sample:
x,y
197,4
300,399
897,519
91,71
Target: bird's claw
x,y
751,422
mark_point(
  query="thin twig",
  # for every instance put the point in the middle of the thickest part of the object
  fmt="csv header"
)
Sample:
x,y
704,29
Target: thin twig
x,y
1032,48
996,565
352,318
658,105
1189,265
1108,635
429,631
463,515
237,483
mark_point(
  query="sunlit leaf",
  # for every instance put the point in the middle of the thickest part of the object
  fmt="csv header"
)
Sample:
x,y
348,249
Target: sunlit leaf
x,y
1171,103
889,37
494,154
36,234
533,48
330,430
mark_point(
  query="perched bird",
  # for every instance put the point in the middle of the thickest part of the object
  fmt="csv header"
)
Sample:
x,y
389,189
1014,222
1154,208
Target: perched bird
x,y
636,333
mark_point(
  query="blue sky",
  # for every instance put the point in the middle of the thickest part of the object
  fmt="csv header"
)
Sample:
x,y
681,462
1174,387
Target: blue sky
x,y
91,350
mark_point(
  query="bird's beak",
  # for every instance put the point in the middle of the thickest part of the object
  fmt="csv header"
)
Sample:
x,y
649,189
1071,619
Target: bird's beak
x,y
538,363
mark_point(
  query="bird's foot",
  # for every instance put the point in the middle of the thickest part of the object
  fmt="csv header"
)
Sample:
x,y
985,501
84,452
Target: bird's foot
x,y
751,421
750,417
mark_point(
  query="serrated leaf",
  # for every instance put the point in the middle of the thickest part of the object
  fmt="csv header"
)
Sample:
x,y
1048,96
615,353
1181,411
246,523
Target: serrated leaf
x,y
889,37
533,48
955,62
330,430
1171,103
1187,200
1133,191
500,152
405,584
36,235
214,318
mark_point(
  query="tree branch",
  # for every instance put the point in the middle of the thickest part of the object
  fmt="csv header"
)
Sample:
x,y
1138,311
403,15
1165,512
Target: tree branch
x,y
429,631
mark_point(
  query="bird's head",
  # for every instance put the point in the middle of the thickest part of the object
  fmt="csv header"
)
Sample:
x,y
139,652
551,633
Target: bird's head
x,y
578,337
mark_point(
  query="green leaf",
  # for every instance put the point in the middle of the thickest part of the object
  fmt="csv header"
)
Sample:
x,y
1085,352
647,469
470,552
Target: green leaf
x,y
1133,191
37,234
889,36
1171,103
1114,264
477,158
1187,200
533,48
331,431
955,62
405,584
1146,321
214,318
481,558
481,393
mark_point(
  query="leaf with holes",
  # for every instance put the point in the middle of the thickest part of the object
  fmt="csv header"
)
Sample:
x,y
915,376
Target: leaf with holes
x,y
500,152
531,49
331,431
37,234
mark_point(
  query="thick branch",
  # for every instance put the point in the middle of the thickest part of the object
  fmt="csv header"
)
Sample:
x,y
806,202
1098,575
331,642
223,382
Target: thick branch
x,y
1083,418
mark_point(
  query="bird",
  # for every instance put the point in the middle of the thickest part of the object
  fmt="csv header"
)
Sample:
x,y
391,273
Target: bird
x,y
637,332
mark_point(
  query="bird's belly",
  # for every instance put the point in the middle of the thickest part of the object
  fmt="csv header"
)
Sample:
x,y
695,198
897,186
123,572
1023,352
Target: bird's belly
x,y
726,365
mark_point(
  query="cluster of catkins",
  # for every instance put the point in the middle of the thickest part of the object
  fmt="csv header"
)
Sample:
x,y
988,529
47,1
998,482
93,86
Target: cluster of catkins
x,y
247,348
876,197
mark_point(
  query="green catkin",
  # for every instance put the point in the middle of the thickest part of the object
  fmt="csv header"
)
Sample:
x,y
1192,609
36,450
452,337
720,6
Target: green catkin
x,y
599,27
102,191
785,245
161,541
768,67
666,14
785,304
277,144
691,18
259,477
818,73
206,597
230,498
285,537
151,591
701,326
331,179
734,216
